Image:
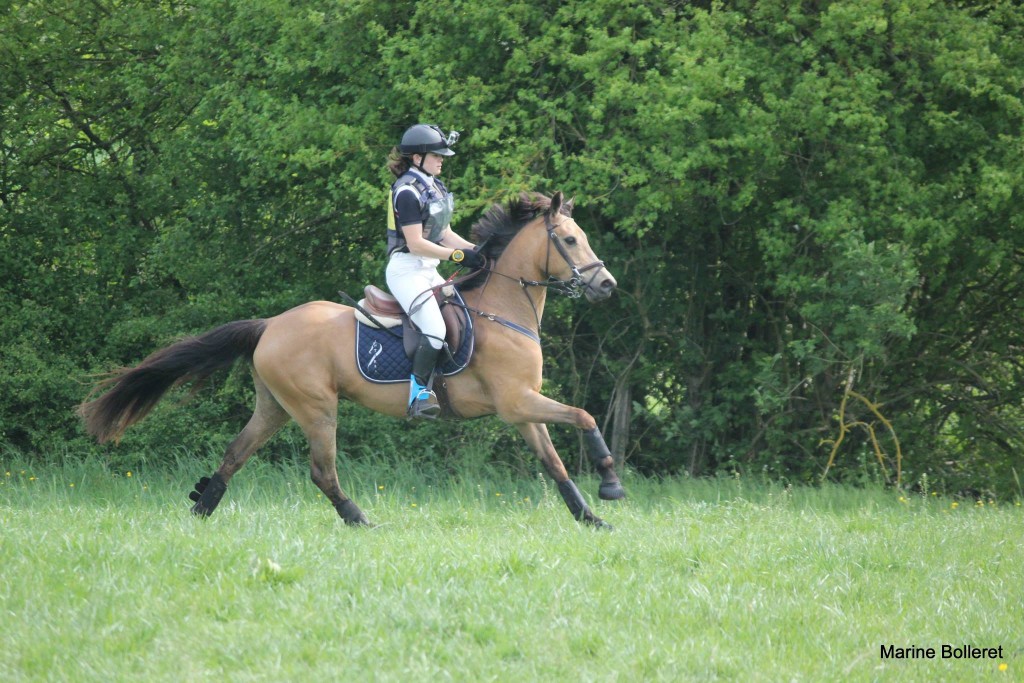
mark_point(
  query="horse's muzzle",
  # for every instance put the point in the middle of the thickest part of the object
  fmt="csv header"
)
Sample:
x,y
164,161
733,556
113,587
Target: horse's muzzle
x,y
600,286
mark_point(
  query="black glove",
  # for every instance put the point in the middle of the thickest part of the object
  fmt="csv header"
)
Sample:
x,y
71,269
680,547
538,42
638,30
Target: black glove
x,y
470,258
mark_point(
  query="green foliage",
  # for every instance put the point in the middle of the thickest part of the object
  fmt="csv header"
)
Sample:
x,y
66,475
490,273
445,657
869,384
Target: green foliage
x,y
787,193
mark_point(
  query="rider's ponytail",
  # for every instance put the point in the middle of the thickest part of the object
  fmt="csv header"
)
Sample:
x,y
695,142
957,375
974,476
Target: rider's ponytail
x,y
397,163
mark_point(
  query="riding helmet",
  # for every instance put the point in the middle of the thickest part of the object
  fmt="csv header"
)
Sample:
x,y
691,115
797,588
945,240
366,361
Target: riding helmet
x,y
423,138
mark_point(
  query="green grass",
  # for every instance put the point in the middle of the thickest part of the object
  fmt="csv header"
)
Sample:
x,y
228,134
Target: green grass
x,y
106,577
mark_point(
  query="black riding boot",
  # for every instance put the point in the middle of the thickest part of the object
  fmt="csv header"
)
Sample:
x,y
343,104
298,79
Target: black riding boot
x,y
422,401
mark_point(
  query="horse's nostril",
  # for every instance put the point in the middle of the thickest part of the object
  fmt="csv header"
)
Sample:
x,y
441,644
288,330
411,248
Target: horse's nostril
x,y
608,285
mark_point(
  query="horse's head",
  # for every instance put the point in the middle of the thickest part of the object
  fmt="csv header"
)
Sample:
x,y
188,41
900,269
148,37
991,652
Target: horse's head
x,y
576,263
563,254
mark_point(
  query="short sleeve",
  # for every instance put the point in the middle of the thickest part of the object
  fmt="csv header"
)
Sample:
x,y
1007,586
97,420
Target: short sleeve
x,y
407,207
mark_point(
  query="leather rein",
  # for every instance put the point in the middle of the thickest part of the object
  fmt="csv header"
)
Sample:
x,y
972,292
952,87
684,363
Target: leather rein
x,y
572,287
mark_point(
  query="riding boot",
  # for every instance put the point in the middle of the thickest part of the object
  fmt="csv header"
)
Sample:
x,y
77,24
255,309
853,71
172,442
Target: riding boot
x,y
422,401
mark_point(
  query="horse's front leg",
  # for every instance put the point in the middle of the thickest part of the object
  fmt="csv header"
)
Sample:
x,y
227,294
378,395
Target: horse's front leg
x,y
601,456
537,408
536,435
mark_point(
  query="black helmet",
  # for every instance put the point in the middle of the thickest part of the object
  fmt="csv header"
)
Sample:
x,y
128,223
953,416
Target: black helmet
x,y
423,138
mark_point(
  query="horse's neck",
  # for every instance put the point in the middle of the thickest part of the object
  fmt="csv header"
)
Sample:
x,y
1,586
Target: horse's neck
x,y
504,293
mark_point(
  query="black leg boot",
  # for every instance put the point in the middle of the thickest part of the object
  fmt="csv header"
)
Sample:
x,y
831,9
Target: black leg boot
x,y
422,401
578,507
611,487
209,491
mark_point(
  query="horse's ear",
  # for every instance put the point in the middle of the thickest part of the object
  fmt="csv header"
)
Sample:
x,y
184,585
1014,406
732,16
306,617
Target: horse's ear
x,y
570,205
556,203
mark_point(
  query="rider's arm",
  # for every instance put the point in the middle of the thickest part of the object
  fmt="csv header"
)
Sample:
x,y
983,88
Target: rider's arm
x,y
421,247
450,238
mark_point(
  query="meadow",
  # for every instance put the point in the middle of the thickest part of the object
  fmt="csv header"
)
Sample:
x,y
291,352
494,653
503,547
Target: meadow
x,y
107,577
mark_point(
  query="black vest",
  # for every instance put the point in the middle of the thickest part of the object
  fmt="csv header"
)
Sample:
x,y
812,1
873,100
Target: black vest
x,y
436,206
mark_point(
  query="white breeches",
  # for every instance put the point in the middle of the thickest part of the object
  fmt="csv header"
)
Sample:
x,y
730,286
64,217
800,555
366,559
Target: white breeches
x,y
410,279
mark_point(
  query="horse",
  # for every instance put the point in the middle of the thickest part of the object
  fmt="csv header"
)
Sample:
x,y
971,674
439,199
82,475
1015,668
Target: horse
x,y
302,362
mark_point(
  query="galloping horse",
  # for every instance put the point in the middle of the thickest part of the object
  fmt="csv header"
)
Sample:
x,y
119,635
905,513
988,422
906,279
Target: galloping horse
x,y
303,361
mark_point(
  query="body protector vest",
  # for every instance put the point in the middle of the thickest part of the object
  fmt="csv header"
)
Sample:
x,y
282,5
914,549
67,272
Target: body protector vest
x,y
437,205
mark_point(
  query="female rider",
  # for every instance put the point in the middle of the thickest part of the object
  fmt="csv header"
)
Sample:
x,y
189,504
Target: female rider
x,y
419,236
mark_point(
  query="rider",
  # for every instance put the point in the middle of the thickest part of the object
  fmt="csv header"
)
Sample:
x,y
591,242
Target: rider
x,y
419,235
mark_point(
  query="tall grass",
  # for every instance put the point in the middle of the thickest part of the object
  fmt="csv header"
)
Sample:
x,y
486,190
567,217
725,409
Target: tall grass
x,y
106,577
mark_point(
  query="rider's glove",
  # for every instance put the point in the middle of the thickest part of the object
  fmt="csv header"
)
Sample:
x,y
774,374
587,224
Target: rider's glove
x,y
469,258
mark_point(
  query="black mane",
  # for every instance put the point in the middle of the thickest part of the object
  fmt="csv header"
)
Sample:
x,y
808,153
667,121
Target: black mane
x,y
502,222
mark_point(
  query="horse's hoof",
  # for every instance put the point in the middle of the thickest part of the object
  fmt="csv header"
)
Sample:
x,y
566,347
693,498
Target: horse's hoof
x,y
611,491
359,521
602,525
200,511
207,494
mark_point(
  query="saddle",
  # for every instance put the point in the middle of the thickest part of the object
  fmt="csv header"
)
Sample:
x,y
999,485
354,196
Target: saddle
x,y
386,311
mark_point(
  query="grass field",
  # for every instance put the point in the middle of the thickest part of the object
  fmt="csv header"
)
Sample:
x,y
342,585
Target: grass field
x,y
107,577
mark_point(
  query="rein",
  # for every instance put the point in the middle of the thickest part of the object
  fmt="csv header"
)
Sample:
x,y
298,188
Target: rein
x,y
572,288
493,317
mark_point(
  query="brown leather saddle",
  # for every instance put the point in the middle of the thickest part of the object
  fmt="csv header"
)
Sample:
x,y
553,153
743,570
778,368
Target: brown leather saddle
x,y
386,311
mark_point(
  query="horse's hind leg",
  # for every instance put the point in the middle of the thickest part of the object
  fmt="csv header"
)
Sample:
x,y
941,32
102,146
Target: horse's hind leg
x,y
318,417
322,435
267,418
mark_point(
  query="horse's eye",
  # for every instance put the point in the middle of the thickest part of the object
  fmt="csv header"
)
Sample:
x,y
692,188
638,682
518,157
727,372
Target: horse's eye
x,y
570,240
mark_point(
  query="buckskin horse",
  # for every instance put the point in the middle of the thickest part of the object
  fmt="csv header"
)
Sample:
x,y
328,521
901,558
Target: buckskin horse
x,y
304,360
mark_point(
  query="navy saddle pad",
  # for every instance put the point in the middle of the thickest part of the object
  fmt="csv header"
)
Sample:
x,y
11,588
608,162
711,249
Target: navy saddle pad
x,y
380,354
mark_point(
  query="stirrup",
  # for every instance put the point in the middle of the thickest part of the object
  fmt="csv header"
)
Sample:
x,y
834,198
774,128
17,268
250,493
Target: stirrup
x,y
424,405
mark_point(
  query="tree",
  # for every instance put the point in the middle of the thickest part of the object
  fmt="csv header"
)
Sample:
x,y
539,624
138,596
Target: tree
x,y
799,201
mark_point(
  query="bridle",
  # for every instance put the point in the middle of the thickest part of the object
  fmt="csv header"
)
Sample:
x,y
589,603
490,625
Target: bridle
x,y
572,287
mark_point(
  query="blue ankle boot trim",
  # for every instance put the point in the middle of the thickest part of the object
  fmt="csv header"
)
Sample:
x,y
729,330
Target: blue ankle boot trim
x,y
417,391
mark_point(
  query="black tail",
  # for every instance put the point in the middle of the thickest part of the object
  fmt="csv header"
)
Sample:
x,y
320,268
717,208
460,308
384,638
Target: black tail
x,y
133,392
